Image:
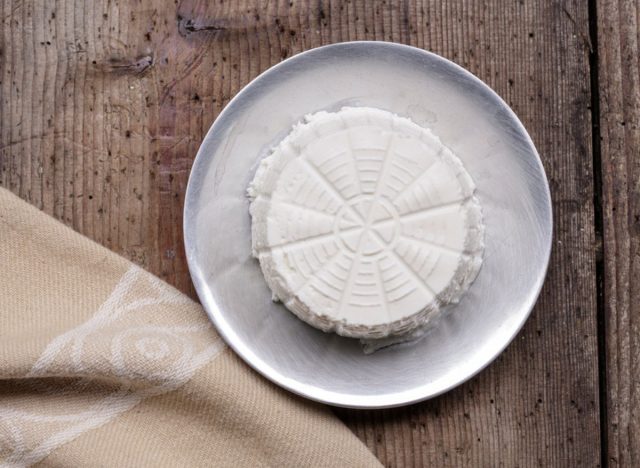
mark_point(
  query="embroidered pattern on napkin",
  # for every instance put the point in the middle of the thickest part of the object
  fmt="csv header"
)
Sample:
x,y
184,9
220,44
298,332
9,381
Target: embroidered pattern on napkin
x,y
137,345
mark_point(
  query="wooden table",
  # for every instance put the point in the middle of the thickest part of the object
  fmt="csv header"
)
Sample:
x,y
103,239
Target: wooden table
x,y
103,105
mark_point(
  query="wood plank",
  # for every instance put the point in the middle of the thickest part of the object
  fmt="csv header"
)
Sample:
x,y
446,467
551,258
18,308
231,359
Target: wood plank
x,y
619,74
104,103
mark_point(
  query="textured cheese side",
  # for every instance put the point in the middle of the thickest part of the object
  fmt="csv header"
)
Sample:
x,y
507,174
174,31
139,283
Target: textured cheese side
x,y
365,224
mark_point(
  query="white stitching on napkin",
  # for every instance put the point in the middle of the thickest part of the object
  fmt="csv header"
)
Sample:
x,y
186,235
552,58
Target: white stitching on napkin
x,y
133,342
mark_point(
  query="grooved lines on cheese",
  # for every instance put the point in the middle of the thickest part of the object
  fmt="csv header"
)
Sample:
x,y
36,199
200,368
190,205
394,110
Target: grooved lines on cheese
x,y
365,224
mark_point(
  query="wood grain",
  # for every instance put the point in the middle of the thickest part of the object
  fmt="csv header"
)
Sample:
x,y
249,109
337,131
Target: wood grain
x,y
619,75
103,105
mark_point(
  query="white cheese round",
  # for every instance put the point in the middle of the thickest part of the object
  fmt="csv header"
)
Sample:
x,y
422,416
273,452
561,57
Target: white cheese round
x,y
364,223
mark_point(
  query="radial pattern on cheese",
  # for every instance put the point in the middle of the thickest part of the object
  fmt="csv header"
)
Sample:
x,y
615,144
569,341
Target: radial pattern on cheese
x,y
364,223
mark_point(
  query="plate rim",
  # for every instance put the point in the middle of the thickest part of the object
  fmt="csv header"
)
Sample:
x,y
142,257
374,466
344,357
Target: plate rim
x,y
315,393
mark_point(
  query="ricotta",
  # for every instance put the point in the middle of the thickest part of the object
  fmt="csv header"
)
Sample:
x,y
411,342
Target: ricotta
x,y
365,224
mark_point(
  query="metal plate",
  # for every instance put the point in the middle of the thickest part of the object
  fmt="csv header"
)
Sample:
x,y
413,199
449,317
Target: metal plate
x,y
471,120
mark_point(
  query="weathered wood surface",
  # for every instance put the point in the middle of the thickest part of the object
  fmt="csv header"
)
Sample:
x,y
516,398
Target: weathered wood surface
x,y
619,77
103,105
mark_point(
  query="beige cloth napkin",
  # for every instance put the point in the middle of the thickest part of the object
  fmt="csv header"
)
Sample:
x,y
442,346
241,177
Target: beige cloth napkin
x,y
103,364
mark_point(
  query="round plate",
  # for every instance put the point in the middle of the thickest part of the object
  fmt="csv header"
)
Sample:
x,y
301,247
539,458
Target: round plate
x,y
472,121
